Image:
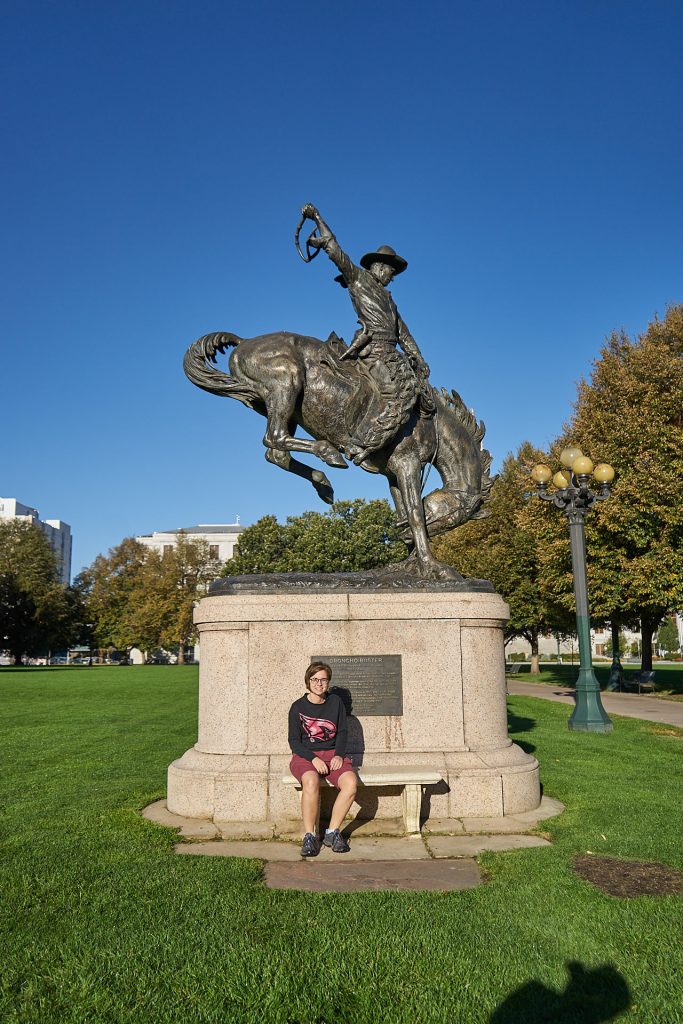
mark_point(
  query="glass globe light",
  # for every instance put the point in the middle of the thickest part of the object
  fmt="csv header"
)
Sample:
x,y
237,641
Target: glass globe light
x,y
541,474
582,466
603,473
568,455
561,480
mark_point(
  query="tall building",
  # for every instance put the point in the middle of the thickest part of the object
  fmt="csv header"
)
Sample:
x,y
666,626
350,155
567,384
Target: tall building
x,y
57,532
221,538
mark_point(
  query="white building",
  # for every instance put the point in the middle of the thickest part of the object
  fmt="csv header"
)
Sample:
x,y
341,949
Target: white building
x,y
57,532
221,538
569,647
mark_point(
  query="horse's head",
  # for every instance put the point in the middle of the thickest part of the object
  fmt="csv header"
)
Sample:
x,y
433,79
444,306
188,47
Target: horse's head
x,y
446,509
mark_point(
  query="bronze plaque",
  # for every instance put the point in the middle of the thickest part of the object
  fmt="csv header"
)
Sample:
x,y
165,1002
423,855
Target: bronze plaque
x,y
369,684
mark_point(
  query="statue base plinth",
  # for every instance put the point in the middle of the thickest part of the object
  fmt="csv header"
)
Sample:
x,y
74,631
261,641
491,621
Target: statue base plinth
x,y
255,647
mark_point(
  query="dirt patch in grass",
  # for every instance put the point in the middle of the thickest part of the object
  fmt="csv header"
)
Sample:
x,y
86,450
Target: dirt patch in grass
x,y
661,730
628,878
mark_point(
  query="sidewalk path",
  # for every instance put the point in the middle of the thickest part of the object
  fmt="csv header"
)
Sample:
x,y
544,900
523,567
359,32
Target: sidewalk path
x,y
631,705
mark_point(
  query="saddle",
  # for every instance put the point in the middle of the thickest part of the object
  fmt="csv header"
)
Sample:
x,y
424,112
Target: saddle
x,y
379,403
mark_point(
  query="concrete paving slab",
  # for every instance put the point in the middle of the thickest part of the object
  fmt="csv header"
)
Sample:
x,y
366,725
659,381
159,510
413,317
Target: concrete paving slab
x,y
407,848
387,848
496,826
549,808
353,829
261,850
471,846
315,876
246,829
190,828
376,827
450,826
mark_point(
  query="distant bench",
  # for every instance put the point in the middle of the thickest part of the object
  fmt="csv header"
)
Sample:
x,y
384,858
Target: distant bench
x,y
514,668
642,680
411,777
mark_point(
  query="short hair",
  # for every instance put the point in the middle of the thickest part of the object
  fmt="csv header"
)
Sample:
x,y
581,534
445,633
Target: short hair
x,y
314,667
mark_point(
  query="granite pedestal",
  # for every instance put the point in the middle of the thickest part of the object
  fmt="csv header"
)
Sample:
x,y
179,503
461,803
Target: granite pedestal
x,y
255,647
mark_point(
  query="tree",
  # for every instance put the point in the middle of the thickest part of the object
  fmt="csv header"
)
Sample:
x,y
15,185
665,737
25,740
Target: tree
x,y
108,587
186,572
630,414
667,637
351,536
137,597
36,611
17,617
622,646
504,548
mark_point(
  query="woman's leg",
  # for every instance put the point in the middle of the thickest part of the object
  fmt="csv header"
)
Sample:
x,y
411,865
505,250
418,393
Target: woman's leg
x,y
348,783
310,800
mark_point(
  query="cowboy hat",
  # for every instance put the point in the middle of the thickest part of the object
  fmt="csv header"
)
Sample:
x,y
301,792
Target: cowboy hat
x,y
385,254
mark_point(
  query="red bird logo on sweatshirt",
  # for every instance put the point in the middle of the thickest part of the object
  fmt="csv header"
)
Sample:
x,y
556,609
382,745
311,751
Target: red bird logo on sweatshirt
x,y
318,728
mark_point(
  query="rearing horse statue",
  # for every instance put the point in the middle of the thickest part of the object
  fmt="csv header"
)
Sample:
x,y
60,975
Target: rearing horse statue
x,y
368,402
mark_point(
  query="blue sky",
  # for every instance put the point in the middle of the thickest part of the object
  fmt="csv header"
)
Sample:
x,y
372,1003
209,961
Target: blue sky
x,y
526,158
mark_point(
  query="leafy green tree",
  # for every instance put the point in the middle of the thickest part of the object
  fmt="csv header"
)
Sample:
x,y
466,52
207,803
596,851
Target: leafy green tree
x,y
37,612
17,617
108,587
137,597
622,646
504,548
349,537
186,573
667,637
630,414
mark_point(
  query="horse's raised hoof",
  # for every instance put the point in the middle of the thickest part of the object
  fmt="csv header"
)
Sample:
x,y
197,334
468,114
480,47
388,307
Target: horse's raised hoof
x,y
329,454
322,486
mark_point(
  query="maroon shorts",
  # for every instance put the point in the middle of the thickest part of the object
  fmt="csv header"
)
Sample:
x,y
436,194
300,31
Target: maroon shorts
x,y
299,765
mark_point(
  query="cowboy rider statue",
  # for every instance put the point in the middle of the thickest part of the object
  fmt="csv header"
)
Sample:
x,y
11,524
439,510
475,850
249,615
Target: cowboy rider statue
x,y
400,382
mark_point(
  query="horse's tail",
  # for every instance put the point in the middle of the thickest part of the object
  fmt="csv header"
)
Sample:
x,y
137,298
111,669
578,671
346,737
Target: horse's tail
x,y
451,505
200,367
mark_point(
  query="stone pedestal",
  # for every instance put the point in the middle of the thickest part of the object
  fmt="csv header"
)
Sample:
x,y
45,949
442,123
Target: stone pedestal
x,y
255,649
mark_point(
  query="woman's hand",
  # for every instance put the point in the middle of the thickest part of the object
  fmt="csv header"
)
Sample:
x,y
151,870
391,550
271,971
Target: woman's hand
x,y
320,765
336,762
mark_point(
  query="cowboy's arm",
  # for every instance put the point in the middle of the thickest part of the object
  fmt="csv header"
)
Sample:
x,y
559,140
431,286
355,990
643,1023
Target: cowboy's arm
x,y
409,346
329,243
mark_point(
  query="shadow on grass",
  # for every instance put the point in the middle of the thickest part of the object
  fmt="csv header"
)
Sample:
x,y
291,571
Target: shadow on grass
x,y
668,676
517,724
590,996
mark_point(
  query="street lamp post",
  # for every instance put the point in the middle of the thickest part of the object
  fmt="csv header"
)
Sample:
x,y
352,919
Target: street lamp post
x,y
574,497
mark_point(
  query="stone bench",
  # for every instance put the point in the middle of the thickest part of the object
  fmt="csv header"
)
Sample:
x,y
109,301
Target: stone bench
x,y
411,777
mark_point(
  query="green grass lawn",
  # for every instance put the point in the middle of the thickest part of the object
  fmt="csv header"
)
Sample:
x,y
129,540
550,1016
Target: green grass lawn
x,y
669,678
101,922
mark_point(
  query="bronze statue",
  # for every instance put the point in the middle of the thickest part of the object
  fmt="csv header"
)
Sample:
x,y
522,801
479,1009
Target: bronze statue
x,y
370,401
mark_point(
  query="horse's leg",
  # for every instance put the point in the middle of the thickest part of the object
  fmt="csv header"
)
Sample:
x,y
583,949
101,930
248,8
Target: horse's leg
x,y
397,499
408,474
280,405
316,477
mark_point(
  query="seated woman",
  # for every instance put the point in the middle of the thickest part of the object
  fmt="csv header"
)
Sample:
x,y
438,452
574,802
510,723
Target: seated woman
x,y
317,738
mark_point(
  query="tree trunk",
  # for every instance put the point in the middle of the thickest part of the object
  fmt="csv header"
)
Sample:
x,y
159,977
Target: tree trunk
x,y
535,668
648,626
181,654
